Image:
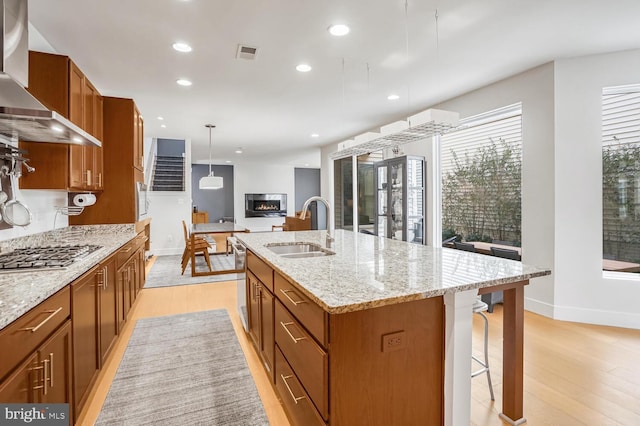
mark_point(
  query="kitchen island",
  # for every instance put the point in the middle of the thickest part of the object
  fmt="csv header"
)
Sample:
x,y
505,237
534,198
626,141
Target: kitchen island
x,y
380,331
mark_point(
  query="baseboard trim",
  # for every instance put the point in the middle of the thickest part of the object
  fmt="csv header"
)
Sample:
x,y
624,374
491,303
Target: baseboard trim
x,y
539,307
598,316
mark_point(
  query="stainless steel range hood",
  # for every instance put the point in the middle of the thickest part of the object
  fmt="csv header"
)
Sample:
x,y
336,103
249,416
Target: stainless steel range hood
x,y
22,116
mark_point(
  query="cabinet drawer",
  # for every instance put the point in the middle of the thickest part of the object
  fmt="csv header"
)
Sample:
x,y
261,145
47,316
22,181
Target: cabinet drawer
x,y
260,269
309,361
25,334
298,406
125,252
312,316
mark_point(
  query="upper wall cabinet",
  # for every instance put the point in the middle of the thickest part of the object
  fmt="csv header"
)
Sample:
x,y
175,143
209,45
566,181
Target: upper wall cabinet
x,y
61,86
123,160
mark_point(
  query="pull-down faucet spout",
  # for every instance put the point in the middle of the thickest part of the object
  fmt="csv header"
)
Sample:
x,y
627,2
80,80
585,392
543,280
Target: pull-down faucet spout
x,y
330,230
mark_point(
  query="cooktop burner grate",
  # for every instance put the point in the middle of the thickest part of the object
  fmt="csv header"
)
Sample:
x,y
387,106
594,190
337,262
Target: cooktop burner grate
x,y
44,258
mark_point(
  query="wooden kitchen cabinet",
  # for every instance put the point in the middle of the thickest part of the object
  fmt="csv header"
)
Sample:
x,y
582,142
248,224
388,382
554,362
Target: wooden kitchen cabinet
x,y
45,376
86,329
122,160
57,82
334,369
108,298
261,310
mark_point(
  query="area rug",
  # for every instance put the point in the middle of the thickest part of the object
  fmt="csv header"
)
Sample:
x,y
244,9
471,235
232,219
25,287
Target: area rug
x,y
183,369
165,271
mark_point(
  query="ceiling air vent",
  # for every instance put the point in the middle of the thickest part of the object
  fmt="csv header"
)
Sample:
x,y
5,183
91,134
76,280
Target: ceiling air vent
x,y
246,52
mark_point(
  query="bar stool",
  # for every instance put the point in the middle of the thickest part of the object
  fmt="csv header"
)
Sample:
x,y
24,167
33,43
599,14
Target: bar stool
x,y
479,307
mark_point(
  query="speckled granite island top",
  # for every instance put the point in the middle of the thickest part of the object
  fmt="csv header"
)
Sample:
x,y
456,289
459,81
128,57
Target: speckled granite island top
x,y
369,271
22,291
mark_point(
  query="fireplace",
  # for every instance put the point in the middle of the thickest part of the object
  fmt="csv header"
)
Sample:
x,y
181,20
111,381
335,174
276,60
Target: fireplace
x,y
265,205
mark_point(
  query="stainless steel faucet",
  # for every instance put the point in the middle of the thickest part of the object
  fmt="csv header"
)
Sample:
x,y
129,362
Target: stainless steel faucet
x,y
330,230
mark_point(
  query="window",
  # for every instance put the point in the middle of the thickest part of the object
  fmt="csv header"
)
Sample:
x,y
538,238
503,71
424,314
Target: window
x,y
621,178
481,178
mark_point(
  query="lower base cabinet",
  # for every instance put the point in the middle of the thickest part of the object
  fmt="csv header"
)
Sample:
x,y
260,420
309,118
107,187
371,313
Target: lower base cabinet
x,y
53,353
44,377
335,369
86,358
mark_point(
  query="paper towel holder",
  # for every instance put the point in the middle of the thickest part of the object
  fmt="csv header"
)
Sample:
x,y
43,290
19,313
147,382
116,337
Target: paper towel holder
x,y
74,198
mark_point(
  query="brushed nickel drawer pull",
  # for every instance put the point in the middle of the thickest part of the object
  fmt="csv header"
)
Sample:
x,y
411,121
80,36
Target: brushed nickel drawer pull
x,y
51,369
34,329
45,371
127,250
295,399
295,302
295,339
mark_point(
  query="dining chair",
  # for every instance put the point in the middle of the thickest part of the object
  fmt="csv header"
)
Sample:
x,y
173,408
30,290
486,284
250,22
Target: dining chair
x,y
496,297
505,253
198,246
464,246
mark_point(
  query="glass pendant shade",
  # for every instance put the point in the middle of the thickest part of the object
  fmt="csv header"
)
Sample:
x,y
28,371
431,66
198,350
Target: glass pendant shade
x,y
211,181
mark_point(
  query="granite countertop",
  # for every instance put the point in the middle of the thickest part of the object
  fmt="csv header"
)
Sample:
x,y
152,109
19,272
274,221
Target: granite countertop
x,y
22,291
369,271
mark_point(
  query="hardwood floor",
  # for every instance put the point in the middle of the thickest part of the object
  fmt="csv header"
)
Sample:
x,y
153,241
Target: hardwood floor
x,y
575,374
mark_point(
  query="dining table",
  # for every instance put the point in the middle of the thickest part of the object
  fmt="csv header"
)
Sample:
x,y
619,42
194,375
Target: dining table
x,y
210,229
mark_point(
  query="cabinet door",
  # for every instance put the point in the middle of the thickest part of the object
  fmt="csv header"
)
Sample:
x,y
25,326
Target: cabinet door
x,y
254,308
19,386
84,316
98,158
120,292
76,95
108,310
138,140
55,357
267,343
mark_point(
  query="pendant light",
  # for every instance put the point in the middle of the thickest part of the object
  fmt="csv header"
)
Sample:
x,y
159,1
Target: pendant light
x,y
211,181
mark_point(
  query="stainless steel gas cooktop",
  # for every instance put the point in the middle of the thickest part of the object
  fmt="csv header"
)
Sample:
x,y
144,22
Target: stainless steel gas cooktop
x,y
44,258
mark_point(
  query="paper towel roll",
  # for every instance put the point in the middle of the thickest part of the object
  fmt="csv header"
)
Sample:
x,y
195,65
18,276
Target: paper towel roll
x,y
83,200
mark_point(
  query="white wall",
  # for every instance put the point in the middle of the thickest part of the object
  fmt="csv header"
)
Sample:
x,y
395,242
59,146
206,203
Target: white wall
x,y
582,293
259,178
534,88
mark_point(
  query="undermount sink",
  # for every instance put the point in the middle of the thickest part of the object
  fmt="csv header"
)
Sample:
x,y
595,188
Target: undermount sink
x,y
298,250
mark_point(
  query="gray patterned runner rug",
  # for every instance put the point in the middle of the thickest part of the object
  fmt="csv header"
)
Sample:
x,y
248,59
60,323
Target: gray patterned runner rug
x,y
185,369
165,271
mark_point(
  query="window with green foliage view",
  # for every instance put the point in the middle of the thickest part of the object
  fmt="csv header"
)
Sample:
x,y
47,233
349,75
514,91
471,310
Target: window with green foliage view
x,y
481,181
621,177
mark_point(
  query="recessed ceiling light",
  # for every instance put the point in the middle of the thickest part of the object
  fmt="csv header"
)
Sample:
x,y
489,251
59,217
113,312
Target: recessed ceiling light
x,y
306,164
182,47
393,97
164,126
183,82
315,135
303,68
228,161
160,118
339,30
239,151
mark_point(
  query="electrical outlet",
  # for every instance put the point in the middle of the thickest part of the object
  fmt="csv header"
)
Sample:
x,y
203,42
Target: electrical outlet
x,y
393,341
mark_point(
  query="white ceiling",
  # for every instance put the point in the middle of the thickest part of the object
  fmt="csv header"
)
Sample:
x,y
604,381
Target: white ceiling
x,y
270,109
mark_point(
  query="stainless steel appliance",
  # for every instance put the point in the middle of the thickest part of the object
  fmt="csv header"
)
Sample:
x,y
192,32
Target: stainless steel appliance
x,y
44,258
240,253
21,115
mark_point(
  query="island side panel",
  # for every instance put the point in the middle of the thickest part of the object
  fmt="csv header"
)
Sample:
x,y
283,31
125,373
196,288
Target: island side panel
x,y
402,385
